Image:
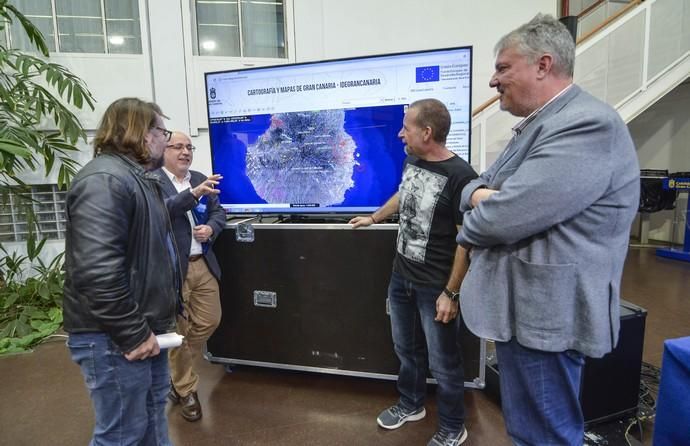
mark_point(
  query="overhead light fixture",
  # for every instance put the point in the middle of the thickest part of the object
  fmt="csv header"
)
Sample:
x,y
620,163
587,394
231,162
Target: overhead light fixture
x,y
208,45
116,40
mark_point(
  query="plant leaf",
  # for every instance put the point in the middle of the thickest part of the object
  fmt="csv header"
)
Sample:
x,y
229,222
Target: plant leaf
x,y
10,300
13,147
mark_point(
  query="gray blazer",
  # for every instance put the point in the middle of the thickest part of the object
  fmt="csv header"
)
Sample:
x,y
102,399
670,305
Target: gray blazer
x,y
549,247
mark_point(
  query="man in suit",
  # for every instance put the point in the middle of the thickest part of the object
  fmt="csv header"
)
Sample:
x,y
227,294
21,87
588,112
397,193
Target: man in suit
x,y
197,219
548,226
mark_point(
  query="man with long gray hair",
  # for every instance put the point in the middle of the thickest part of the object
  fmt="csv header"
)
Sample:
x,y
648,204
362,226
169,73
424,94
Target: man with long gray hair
x,y
548,226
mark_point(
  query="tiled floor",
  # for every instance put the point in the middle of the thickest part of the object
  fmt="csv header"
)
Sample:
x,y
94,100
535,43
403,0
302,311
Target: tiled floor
x,y
44,401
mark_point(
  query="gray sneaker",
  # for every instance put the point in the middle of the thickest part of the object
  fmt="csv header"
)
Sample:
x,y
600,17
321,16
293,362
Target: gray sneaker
x,y
396,416
446,438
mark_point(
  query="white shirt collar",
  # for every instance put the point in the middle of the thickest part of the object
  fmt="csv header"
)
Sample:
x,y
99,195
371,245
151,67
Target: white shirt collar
x,y
174,179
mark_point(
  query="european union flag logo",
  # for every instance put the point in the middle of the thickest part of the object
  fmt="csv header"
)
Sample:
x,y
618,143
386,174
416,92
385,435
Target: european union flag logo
x,y
428,74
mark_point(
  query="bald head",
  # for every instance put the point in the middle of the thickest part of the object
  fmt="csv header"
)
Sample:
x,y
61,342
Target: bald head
x,y
179,154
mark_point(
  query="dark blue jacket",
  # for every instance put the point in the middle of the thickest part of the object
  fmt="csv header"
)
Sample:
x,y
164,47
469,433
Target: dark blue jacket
x,y
178,204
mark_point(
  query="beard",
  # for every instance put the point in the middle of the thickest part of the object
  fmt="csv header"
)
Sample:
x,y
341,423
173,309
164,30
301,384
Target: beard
x,y
156,163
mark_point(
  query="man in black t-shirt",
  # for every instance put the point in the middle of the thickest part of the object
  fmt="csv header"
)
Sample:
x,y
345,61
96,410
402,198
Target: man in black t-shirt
x,y
427,272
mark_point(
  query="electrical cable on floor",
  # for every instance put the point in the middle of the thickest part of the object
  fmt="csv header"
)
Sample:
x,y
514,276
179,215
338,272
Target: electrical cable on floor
x,y
650,377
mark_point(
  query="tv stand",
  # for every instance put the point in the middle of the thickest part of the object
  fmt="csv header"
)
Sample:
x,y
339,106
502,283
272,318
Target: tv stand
x,y
334,219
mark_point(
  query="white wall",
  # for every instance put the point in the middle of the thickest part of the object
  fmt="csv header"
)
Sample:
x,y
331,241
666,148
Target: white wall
x,y
328,29
662,137
109,77
170,45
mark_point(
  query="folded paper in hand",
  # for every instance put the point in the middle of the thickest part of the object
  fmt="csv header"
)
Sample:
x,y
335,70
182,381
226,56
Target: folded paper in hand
x,y
169,340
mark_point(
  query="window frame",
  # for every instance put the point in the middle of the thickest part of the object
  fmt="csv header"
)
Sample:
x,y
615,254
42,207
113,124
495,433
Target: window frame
x,y
55,48
195,34
42,194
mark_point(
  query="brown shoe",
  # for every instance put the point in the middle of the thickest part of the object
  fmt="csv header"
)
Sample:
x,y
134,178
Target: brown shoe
x,y
191,407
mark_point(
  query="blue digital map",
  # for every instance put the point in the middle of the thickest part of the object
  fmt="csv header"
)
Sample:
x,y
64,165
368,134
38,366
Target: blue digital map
x,y
312,159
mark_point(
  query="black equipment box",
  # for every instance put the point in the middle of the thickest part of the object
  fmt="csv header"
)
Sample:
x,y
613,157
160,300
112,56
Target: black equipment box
x,y
610,385
313,297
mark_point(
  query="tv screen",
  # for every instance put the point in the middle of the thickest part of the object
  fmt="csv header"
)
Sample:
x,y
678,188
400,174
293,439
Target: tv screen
x,y
321,137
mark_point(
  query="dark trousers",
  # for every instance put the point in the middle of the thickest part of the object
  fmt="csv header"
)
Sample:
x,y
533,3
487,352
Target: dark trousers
x,y
423,344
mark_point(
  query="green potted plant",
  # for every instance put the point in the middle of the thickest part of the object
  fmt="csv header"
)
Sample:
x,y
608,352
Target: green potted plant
x,y
37,128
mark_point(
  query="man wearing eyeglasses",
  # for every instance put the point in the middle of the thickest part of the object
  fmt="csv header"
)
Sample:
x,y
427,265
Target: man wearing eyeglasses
x,y
122,282
197,219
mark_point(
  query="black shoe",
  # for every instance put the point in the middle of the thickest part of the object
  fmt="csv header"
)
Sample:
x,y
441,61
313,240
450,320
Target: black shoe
x,y
191,407
173,396
395,416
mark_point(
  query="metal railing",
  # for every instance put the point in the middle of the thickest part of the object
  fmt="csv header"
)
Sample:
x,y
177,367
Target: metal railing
x,y
631,60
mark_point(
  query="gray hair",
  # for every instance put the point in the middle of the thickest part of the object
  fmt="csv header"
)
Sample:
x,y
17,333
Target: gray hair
x,y
543,34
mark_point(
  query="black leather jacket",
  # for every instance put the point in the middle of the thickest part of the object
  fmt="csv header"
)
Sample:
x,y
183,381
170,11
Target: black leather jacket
x,y
121,262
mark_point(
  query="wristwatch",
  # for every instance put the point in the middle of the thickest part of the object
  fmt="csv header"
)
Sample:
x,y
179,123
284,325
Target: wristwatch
x,y
454,296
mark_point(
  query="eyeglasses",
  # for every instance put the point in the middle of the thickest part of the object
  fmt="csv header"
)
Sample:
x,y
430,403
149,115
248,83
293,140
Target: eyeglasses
x,y
181,146
166,133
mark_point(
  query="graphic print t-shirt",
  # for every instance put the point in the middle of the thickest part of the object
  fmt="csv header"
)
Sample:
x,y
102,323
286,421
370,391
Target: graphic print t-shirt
x,y
429,214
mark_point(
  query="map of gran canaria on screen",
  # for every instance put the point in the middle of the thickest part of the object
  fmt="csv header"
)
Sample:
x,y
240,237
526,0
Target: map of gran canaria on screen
x,y
321,137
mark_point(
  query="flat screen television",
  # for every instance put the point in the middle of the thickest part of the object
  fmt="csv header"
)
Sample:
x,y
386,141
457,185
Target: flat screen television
x,y
321,137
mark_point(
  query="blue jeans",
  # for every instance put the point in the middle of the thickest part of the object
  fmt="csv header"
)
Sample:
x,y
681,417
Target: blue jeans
x,y
413,308
540,395
128,396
